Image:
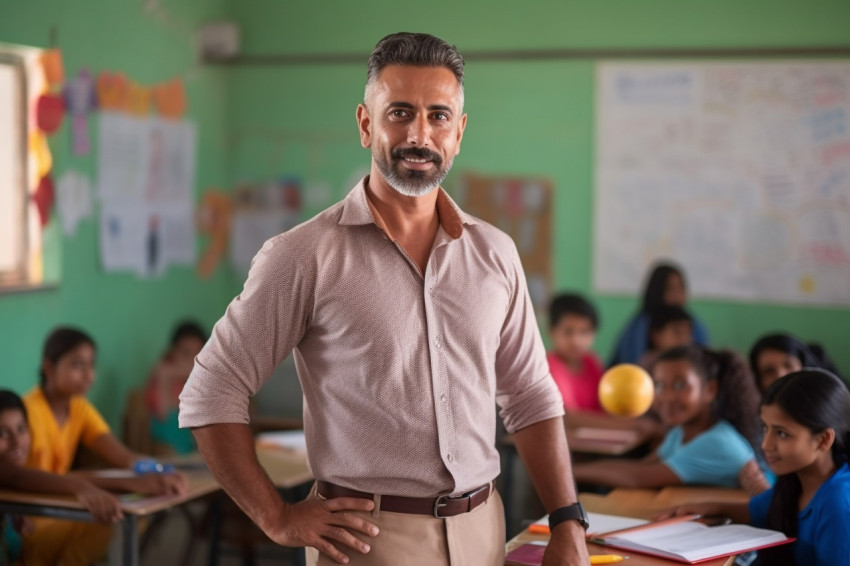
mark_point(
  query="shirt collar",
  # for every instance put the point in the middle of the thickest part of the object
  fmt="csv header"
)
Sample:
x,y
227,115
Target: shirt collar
x,y
356,210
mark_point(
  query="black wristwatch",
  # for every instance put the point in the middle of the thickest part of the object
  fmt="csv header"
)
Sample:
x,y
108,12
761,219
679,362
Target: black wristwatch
x,y
574,512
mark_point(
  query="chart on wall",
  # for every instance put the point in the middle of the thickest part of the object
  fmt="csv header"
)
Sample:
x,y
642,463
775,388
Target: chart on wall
x,y
740,172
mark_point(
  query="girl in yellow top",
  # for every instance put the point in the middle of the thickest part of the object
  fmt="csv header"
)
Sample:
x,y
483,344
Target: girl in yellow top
x,y
60,418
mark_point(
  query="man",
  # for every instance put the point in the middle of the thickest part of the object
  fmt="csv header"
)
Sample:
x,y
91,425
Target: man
x,y
409,321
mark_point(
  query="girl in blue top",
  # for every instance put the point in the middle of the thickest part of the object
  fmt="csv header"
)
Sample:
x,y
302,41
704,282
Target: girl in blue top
x,y
709,402
806,422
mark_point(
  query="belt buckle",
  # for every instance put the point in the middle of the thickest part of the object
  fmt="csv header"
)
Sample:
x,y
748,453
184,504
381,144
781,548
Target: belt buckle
x,y
440,502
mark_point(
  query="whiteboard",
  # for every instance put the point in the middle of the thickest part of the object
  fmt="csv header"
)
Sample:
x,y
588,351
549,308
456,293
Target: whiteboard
x,y
740,172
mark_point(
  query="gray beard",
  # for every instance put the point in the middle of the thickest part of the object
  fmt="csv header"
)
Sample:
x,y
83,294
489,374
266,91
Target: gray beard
x,y
411,185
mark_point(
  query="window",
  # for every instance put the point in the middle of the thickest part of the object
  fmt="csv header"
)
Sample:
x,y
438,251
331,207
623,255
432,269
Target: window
x,y
20,233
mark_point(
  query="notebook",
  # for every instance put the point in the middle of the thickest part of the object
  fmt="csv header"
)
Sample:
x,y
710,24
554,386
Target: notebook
x,y
691,542
681,540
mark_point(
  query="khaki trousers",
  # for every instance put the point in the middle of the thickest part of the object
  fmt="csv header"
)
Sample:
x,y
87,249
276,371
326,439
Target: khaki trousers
x,y
476,538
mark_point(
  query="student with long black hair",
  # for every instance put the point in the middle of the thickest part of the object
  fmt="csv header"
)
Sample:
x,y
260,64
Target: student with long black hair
x,y
666,286
806,422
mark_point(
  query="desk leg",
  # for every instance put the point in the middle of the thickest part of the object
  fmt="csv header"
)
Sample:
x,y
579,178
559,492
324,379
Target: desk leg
x,y
508,484
215,527
130,541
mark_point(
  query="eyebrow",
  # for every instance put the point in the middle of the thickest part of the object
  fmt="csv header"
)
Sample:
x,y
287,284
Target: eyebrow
x,y
410,106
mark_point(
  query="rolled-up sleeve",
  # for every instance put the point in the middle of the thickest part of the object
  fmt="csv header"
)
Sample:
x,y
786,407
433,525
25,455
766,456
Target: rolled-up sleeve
x,y
525,390
259,329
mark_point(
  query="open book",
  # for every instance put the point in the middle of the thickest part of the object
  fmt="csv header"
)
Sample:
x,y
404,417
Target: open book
x,y
692,541
680,539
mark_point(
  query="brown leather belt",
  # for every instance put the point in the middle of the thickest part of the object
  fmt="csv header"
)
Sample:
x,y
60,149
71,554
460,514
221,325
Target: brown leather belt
x,y
439,507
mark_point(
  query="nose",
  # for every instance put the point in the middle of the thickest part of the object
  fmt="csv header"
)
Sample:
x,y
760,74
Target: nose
x,y
419,131
767,442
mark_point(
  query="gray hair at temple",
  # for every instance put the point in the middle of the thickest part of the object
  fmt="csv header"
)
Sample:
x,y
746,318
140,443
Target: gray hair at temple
x,y
416,50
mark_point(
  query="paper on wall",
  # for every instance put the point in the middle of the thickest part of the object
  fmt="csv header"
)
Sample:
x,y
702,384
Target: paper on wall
x,y
73,199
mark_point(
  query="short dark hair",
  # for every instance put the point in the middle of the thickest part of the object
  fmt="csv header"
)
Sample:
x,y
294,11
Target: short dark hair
x,y
9,400
417,50
665,314
186,329
571,303
61,341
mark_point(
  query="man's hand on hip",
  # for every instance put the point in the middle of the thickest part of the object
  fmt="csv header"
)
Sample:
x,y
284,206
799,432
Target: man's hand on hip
x,y
326,525
567,546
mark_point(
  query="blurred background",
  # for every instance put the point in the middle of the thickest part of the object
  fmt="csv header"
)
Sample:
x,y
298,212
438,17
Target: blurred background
x,y
602,135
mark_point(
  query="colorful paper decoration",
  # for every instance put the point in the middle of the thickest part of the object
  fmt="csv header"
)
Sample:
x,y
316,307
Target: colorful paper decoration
x,y
112,91
79,101
170,99
49,111
51,64
138,101
215,215
41,151
43,197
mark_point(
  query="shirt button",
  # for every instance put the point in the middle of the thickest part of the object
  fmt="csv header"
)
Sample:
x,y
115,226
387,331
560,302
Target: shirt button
x,y
449,457
439,344
443,398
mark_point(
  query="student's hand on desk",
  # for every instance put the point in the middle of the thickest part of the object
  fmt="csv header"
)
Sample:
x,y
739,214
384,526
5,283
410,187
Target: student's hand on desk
x,y
160,484
326,525
104,507
567,546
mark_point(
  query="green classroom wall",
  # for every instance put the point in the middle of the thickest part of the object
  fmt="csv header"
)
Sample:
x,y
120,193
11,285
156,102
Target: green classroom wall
x,y
255,123
527,118
129,318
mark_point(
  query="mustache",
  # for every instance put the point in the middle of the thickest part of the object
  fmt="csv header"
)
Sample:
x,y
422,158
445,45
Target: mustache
x,y
417,153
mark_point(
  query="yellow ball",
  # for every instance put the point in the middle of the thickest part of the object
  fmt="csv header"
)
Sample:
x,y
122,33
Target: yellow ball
x,y
626,390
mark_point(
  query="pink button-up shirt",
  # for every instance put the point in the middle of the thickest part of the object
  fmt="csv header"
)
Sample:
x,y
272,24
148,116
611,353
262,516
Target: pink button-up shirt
x,y
401,372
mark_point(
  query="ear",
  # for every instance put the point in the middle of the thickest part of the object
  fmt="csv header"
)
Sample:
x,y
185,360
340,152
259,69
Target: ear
x,y
461,128
825,440
47,368
709,391
364,125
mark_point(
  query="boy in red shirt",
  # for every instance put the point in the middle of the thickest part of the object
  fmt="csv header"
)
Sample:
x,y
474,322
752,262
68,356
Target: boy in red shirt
x,y
574,366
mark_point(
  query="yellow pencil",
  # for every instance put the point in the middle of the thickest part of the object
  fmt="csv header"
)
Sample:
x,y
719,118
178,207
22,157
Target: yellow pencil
x,y
606,558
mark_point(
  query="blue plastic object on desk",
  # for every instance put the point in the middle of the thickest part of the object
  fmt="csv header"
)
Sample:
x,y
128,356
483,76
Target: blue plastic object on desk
x,y
150,466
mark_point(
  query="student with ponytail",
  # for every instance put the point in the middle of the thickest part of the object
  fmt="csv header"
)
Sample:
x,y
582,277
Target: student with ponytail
x,y
709,401
806,422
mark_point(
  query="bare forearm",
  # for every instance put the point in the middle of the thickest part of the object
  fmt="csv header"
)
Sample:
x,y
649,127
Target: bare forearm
x,y
39,481
543,448
626,473
228,450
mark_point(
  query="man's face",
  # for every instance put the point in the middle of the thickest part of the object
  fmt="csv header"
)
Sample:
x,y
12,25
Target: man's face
x,y
413,123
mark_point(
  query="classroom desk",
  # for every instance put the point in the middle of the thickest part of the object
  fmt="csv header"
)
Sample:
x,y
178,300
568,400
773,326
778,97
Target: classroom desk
x,y
644,504
285,468
608,437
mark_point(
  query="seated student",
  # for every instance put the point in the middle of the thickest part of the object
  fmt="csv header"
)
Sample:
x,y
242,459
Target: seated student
x,y
669,326
806,420
666,286
14,449
709,401
60,418
778,354
165,384
573,365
